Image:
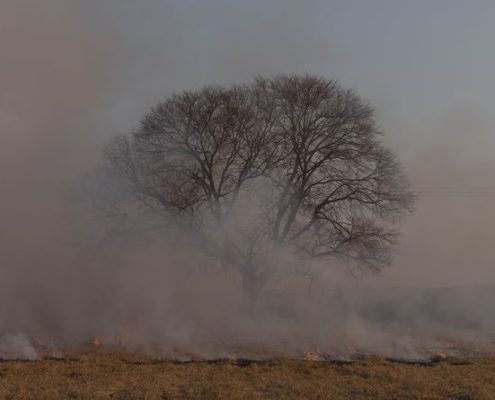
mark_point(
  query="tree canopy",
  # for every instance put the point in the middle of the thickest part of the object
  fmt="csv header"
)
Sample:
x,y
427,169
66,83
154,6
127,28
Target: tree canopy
x,y
294,163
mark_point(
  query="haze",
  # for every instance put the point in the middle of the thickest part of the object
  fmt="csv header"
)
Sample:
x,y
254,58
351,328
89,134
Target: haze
x,y
75,73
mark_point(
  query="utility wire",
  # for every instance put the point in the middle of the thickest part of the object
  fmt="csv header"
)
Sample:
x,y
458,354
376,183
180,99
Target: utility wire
x,y
456,192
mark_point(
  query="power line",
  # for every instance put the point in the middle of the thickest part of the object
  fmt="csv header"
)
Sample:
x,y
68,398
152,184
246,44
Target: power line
x,y
456,192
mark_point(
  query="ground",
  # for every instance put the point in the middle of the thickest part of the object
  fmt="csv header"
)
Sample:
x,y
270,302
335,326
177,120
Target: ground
x,y
105,375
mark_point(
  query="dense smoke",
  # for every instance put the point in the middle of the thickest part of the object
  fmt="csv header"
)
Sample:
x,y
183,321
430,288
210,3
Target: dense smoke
x,y
55,78
74,74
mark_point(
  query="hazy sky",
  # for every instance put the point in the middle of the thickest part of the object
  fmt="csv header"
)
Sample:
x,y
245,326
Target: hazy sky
x,y
426,66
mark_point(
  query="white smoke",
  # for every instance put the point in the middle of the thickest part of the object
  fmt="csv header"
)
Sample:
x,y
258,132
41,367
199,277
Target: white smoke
x,y
71,75
16,347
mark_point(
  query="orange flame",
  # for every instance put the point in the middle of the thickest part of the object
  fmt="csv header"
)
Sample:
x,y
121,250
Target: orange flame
x,y
96,341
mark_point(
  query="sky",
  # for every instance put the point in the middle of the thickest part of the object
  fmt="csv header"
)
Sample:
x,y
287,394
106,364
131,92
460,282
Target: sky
x,y
82,71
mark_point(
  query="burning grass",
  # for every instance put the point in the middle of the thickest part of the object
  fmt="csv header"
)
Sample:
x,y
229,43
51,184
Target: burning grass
x,y
103,374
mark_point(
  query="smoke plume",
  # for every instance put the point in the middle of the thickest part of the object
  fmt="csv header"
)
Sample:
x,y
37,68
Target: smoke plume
x,y
75,73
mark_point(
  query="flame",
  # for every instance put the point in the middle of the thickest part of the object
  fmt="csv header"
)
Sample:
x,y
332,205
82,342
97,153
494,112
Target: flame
x,y
96,341
310,356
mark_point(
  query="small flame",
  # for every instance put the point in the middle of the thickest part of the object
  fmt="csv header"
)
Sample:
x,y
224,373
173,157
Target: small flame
x,y
310,356
96,341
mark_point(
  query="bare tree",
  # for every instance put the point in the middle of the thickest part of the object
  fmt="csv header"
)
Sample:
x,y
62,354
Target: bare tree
x,y
197,150
191,158
338,188
329,187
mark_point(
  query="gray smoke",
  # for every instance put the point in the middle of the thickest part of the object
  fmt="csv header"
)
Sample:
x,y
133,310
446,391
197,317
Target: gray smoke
x,y
75,73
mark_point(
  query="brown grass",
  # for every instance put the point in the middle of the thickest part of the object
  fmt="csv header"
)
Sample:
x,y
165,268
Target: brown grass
x,y
96,375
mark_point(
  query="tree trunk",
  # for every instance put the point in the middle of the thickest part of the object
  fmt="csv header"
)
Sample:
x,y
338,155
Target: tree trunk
x,y
252,284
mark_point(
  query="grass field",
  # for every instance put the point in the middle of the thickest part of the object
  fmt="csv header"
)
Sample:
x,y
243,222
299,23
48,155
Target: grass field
x,y
99,375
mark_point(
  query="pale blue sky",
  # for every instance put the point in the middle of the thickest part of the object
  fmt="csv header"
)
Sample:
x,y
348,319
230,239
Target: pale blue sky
x,y
415,57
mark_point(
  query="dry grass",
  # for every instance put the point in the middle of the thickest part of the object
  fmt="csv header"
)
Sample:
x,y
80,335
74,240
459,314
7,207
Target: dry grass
x,y
94,375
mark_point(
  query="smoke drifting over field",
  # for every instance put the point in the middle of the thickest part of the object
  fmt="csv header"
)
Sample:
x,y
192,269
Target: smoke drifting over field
x,y
75,73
